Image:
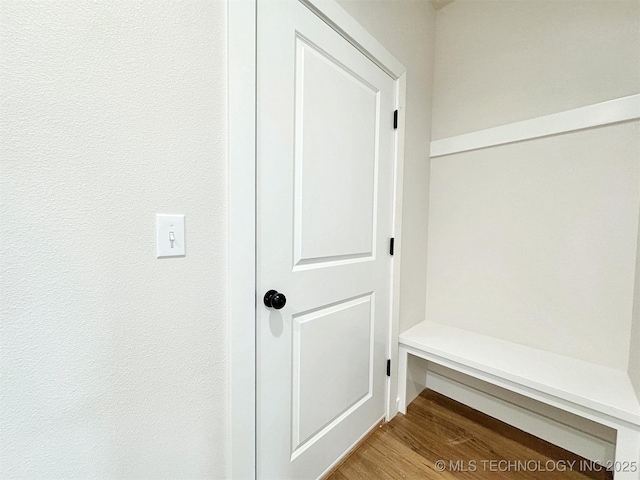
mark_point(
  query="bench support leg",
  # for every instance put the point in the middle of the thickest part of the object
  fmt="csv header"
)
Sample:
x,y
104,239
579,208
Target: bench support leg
x,y
402,379
627,463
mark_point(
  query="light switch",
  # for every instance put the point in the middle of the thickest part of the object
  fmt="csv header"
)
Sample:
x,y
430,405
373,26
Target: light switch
x,y
170,241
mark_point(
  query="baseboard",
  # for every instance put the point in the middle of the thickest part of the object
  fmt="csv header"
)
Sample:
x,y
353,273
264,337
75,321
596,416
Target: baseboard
x,y
576,434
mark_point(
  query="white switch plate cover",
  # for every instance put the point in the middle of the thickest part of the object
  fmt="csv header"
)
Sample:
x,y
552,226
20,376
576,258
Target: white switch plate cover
x,y
170,227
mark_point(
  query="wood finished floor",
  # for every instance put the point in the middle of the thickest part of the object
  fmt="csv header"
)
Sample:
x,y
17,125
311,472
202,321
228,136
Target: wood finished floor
x,y
438,428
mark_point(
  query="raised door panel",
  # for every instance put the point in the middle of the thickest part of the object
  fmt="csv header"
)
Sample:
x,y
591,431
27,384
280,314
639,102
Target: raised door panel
x,y
332,366
335,160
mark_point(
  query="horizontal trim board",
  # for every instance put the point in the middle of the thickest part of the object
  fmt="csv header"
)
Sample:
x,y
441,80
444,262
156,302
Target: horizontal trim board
x,y
598,114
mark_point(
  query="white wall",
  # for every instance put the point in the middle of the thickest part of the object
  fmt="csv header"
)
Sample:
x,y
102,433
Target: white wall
x,y
113,363
407,29
535,242
501,61
634,347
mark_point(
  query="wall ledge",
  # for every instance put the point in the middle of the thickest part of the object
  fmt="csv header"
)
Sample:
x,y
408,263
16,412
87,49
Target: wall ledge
x,y
598,114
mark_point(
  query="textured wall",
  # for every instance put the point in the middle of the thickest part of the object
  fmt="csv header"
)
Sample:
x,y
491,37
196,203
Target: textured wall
x,y
407,29
113,363
501,61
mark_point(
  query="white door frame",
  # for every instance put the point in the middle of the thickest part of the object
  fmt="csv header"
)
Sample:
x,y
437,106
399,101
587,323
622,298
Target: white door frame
x,y
241,175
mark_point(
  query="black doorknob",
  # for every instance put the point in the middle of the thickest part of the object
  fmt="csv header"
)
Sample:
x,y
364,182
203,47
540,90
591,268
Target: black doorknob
x,y
273,299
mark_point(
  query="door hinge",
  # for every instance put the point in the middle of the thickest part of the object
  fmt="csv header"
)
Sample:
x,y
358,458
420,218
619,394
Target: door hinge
x,y
392,241
388,367
395,120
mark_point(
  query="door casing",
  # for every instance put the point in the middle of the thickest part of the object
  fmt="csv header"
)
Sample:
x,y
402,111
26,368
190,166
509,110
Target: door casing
x,y
241,175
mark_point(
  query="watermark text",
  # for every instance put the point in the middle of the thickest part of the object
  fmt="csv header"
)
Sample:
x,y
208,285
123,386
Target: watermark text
x,y
533,466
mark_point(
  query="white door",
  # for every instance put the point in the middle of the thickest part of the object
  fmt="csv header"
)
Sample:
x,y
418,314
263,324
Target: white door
x,y
325,196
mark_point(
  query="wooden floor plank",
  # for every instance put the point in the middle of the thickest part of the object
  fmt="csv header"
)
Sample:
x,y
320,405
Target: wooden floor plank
x,y
375,455
442,439
354,449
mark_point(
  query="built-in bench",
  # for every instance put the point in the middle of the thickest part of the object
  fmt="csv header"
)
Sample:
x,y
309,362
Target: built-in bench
x,y
598,393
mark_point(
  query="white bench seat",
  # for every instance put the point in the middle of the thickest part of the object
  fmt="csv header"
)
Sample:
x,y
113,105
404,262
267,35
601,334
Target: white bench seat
x,y
601,394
